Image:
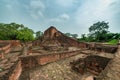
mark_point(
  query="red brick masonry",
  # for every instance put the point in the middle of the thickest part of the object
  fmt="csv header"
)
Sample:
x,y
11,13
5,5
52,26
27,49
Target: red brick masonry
x,y
5,46
16,72
28,62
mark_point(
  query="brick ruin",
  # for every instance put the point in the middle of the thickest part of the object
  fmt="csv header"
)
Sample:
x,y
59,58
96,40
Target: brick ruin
x,y
36,60
94,64
55,40
26,56
10,66
5,46
13,68
102,47
4,49
112,70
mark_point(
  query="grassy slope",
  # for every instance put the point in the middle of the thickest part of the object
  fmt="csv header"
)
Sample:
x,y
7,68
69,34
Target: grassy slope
x,y
114,41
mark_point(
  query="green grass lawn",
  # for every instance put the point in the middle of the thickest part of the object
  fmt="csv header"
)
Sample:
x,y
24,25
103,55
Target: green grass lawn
x,y
114,41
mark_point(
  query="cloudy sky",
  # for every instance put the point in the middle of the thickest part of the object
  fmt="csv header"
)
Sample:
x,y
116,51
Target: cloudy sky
x,y
74,16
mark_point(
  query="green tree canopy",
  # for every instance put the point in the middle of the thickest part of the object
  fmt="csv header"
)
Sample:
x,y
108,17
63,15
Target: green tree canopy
x,y
39,34
71,35
99,30
68,34
15,31
74,36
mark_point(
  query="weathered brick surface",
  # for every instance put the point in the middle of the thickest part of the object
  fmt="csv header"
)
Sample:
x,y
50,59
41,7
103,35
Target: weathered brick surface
x,y
4,48
13,73
16,71
48,58
28,62
53,37
35,60
12,42
102,47
10,66
93,64
83,45
112,71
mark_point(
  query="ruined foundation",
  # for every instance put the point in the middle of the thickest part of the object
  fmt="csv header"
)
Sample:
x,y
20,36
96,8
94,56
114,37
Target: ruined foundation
x,y
55,56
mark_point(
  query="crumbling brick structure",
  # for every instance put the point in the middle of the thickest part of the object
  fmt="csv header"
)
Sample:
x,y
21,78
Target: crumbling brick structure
x,y
102,47
4,48
12,42
54,38
31,61
93,64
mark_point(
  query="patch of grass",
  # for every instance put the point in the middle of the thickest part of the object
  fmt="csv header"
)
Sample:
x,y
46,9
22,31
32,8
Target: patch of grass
x,y
114,41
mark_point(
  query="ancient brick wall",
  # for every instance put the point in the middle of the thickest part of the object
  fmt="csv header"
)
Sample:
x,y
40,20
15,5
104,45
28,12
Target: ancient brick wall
x,y
35,60
30,44
13,73
106,48
48,58
4,48
16,72
12,42
83,45
100,47
112,71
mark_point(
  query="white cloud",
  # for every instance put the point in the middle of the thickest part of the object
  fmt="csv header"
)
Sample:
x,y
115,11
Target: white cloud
x,y
91,12
60,18
36,9
66,3
108,2
37,4
55,20
64,16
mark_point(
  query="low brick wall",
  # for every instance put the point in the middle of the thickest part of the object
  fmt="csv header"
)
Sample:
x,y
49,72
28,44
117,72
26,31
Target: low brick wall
x,y
28,62
99,47
12,42
48,58
106,48
112,70
16,72
83,45
4,48
13,73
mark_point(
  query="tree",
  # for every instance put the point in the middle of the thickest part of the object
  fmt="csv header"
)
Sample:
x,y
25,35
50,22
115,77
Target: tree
x,y
117,36
83,37
74,36
15,31
68,34
99,30
39,34
25,34
71,35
